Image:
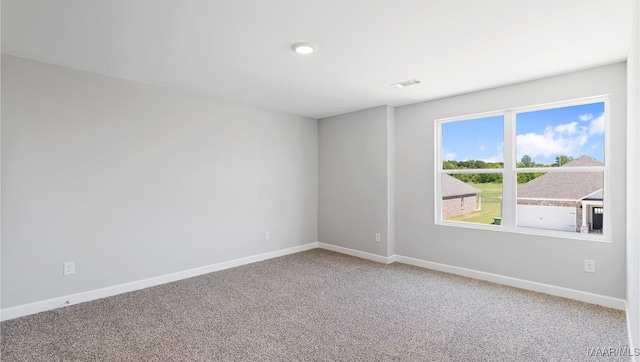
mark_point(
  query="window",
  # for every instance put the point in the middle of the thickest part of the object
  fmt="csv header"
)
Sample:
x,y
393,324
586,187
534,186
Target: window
x,y
472,169
538,169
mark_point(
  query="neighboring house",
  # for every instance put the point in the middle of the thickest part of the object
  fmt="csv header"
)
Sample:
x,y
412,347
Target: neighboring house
x,y
458,197
564,201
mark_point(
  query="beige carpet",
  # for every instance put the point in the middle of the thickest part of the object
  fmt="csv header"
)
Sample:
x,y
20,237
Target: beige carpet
x,y
319,306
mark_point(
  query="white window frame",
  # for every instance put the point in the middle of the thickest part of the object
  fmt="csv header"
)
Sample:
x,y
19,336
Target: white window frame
x,y
509,171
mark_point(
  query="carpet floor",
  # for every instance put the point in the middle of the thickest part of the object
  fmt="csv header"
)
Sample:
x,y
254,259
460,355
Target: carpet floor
x,y
320,306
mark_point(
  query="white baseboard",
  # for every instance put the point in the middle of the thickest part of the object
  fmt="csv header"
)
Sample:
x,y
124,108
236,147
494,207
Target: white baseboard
x,y
586,297
357,253
59,302
64,301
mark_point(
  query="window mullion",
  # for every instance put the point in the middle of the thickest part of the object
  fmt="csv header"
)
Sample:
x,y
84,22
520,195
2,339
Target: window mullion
x,y
509,176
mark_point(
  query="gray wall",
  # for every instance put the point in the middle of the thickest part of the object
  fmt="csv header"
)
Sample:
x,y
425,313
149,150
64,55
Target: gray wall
x,y
633,180
353,180
391,181
132,181
550,260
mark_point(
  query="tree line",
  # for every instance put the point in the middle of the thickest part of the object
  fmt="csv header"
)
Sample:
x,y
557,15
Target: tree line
x,y
525,162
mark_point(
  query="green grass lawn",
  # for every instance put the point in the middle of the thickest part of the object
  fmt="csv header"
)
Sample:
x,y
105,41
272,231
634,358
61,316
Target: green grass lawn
x,y
491,205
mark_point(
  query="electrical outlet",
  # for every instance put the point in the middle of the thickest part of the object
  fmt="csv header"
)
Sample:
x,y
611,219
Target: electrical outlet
x,y
378,238
589,266
267,235
69,268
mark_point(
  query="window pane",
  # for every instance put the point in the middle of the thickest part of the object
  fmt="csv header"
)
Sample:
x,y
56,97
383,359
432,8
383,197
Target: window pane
x,y
473,144
473,198
563,201
555,137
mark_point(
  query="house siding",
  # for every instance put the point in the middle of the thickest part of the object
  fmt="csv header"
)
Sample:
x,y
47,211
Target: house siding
x,y
451,205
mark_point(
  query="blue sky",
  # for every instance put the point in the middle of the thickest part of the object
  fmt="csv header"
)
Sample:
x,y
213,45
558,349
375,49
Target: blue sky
x,y
543,135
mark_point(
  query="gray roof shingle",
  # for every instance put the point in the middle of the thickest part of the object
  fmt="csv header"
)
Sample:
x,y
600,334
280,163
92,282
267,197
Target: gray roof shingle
x,y
451,186
565,185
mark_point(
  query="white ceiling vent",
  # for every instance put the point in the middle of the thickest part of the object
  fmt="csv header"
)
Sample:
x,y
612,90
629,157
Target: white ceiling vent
x,y
406,83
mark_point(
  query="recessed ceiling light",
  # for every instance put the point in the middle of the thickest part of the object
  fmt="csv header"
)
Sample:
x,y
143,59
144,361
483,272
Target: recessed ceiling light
x,y
303,48
406,83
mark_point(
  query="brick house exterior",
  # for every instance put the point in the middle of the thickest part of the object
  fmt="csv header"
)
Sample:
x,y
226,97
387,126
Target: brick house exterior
x,y
458,198
579,191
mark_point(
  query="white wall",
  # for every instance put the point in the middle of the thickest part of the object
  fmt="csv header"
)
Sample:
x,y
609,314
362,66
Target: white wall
x,y
633,180
353,187
554,261
132,181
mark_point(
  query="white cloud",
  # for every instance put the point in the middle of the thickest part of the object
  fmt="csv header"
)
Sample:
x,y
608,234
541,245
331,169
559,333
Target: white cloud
x,y
550,143
535,145
449,156
569,128
497,158
597,126
563,139
481,147
586,117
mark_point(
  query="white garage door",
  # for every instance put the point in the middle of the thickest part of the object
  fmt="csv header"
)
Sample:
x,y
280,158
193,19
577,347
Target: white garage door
x,y
547,217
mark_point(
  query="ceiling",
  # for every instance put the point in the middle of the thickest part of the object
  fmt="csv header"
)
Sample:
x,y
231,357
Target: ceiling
x,y
240,49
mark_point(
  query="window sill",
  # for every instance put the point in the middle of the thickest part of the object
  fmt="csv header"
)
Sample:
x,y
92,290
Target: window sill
x,y
527,231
